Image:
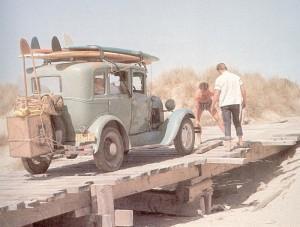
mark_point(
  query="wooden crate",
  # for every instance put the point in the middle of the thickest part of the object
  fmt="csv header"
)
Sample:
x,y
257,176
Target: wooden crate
x,y
26,136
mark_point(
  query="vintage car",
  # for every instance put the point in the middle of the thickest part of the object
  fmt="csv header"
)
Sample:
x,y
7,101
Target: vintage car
x,y
105,106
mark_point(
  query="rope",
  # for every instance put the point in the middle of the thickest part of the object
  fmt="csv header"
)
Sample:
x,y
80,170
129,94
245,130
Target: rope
x,y
36,106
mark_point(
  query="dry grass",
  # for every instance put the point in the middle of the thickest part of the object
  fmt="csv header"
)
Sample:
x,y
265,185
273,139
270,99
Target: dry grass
x,y
8,94
268,99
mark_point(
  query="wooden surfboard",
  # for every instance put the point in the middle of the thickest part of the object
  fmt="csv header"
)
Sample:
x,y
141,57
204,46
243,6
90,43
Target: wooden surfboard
x,y
55,44
122,58
84,52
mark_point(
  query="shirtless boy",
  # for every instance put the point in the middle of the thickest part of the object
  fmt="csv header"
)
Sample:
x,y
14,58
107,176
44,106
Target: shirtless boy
x,y
203,101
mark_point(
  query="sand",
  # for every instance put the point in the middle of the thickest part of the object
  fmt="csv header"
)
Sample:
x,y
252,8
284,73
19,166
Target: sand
x,y
267,195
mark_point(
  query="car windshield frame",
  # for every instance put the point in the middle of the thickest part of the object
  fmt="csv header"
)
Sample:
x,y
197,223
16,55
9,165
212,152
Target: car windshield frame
x,y
40,78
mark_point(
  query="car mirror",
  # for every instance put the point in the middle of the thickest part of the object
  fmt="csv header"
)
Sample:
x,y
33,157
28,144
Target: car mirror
x,y
170,104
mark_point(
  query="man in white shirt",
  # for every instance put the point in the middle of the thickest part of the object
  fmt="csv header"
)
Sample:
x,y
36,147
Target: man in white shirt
x,y
231,94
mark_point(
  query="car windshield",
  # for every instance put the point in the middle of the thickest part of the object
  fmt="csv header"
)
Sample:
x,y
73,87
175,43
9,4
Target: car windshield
x,y
47,84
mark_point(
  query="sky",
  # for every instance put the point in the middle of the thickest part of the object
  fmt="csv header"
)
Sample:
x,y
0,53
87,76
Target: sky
x,y
251,36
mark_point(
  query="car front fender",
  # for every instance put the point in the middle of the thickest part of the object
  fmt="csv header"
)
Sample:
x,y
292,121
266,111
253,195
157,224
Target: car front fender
x,y
99,124
174,123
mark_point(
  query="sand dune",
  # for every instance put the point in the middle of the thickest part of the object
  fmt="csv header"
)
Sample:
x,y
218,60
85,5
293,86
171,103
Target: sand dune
x,y
268,99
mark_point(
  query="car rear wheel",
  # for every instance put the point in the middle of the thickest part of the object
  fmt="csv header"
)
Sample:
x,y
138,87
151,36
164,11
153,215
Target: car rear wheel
x,y
37,165
110,154
185,138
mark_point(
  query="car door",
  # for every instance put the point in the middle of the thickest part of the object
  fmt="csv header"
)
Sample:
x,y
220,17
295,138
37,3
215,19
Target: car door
x,y
119,97
140,103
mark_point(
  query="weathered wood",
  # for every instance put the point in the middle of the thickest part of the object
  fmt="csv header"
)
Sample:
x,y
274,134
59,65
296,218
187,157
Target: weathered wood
x,y
85,211
210,169
278,142
45,211
208,200
189,193
233,161
123,189
103,204
152,168
158,202
123,217
205,147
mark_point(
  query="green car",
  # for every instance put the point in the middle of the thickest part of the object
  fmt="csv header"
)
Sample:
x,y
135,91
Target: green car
x,y
106,107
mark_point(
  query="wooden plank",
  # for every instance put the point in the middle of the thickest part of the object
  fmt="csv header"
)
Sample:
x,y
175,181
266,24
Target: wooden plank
x,y
207,146
278,142
212,169
258,151
123,189
45,211
233,161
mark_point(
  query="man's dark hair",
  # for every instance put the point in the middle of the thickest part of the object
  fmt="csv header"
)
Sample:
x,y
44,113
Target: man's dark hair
x,y
203,86
221,66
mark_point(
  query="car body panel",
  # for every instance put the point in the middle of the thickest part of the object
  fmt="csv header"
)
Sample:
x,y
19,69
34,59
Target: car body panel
x,y
133,110
97,127
173,124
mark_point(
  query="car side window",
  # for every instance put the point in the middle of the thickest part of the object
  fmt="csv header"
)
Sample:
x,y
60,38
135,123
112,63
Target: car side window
x,y
138,82
99,84
118,82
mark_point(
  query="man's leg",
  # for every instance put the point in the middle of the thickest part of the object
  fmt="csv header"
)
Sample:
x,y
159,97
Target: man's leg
x,y
237,123
226,114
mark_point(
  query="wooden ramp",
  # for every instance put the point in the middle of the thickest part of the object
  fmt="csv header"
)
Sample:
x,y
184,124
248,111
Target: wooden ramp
x,y
155,180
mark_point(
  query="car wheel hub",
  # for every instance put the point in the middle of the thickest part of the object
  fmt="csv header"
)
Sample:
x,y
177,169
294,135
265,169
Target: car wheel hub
x,y
113,149
186,136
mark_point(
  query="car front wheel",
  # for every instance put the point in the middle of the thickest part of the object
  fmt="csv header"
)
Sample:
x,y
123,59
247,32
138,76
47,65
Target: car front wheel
x,y
185,138
110,154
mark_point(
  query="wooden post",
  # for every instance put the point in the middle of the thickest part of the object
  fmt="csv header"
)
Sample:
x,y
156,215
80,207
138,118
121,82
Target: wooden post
x,y
103,205
202,205
208,200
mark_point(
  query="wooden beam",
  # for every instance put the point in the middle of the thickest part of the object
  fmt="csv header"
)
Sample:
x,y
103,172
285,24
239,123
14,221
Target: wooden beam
x,y
188,193
103,205
144,183
124,218
225,161
207,146
46,210
159,202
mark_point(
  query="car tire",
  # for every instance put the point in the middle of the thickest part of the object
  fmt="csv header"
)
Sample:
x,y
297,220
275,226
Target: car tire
x,y
37,165
110,154
185,138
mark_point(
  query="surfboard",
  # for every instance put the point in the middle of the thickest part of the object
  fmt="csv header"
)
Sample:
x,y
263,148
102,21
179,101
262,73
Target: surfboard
x,y
144,56
55,44
35,43
85,52
122,58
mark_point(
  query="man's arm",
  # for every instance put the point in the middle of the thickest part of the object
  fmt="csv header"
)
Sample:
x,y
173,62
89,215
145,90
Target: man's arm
x,y
243,91
215,99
